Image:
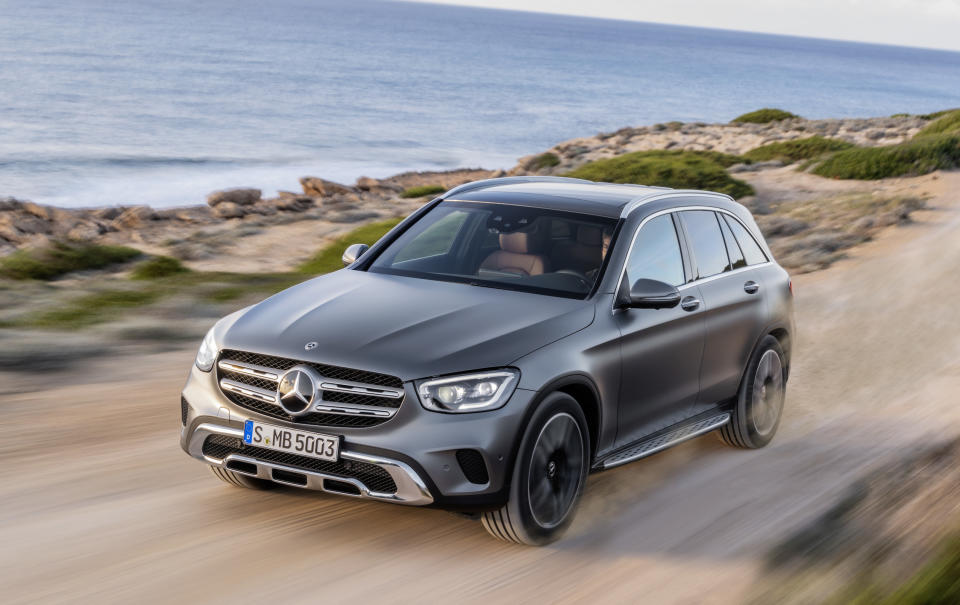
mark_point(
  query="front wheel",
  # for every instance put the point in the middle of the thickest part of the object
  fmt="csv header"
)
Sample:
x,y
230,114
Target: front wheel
x,y
548,476
756,413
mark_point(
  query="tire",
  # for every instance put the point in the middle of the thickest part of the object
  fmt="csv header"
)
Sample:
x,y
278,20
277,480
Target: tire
x,y
238,480
554,456
759,405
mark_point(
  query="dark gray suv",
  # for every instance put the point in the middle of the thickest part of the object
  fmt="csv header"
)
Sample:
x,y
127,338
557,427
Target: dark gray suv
x,y
498,345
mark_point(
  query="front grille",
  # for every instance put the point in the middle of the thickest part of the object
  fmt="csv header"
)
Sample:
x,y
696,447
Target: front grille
x,y
279,365
184,408
375,478
334,372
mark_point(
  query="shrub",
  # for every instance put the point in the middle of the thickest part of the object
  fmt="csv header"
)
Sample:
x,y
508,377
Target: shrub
x,y
765,115
61,258
678,169
544,160
423,191
917,156
157,267
797,149
949,122
90,309
328,258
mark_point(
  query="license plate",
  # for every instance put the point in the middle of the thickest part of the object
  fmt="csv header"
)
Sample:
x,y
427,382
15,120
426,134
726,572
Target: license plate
x,y
292,441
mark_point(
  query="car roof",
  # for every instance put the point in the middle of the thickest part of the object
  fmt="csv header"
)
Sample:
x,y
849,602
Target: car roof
x,y
561,193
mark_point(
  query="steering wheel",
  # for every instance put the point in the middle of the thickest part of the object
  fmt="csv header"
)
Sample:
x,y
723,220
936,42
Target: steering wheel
x,y
580,276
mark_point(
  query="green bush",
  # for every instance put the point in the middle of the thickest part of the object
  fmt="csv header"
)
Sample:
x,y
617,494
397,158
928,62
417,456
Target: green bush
x,y
918,156
157,267
544,160
949,122
61,258
797,149
328,258
90,309
423,191
762,116
678,169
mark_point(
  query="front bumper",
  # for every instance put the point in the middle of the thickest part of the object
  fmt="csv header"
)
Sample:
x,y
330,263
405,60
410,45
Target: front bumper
x,y
417,448
411,489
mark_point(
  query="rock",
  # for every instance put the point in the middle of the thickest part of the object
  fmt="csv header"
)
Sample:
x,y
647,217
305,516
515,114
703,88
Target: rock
x,y
229,210
109,213
9,203
342,198
133,217
241,197
86,231
41,212
366,183
294,204
30,225
315,186
264,208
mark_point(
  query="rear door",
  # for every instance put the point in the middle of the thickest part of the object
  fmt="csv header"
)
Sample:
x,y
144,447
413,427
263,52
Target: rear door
x,y
661,348
734,308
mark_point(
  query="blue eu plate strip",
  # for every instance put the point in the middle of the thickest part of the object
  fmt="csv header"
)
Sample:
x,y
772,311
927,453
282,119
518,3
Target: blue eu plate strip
x,y
248,431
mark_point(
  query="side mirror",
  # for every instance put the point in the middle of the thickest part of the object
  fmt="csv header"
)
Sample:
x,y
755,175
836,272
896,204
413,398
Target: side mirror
x,y
653,294
352,253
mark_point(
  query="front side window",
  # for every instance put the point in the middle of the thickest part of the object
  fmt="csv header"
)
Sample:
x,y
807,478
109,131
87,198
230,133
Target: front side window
x,y
502,246
656,253
706,240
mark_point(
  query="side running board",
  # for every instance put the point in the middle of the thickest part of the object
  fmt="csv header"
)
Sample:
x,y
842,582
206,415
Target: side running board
x,y
661,442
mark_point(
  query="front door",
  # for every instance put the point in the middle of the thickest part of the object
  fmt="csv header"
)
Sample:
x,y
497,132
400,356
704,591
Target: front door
x,y
661,348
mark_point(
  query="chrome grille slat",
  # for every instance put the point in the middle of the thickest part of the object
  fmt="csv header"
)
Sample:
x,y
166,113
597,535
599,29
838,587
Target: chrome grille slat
x,y
248,390
249,370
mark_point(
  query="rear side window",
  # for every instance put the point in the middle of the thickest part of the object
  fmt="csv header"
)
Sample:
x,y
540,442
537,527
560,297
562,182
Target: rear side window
x,y
733,249
706,240
656,253
751,249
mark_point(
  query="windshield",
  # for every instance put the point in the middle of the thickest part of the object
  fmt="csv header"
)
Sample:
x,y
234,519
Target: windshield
x,y
502,246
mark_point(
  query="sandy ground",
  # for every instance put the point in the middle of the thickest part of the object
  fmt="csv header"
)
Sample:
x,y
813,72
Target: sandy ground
x,y
100,504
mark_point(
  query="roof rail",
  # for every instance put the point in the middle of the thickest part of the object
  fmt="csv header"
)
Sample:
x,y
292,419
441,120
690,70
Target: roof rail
x,y
507,180
636,185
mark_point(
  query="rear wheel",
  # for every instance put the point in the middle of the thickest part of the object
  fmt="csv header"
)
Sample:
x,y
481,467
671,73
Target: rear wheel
x,y
548,476
238,480
759,406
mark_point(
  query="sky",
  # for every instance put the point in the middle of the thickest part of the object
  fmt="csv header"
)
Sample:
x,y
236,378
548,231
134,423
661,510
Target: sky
x,y
924,23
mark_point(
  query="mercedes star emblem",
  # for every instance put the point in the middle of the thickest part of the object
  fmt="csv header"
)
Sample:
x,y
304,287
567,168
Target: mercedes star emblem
x,y
296,390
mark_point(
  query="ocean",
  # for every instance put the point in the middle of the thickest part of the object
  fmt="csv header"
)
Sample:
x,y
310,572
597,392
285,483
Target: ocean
x,y
162,101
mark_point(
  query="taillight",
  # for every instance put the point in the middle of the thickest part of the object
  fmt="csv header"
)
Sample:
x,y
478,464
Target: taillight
x,y
790,285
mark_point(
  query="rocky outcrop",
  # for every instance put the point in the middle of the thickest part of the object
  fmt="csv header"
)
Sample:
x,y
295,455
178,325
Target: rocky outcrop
x,y
726,138
240,197
317,187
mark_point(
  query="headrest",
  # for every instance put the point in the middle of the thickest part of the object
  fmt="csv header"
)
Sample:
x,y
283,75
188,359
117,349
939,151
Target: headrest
x,y
589,236
517,242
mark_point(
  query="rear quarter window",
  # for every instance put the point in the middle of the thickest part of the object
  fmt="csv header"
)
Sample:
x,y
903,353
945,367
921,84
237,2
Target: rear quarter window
x,y
751,249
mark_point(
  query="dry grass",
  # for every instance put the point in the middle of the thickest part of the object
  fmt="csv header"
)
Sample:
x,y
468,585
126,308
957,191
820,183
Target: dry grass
x,y
811,235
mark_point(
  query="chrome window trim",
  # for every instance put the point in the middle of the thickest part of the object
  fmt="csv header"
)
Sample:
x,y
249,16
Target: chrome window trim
x,y
636,232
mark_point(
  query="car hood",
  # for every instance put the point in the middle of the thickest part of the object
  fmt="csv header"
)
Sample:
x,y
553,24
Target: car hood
x,y
407,327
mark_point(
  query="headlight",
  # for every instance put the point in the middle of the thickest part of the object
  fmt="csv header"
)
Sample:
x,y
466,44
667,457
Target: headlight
x,y
207,354
468,392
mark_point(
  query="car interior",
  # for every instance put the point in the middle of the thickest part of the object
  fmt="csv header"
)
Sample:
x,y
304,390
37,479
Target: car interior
x,y
515,246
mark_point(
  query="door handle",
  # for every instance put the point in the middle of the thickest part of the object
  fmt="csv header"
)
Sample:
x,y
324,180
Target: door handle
x,y
751,287
689,303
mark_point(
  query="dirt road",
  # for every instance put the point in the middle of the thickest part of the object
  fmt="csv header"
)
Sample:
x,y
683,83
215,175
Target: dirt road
x,y
99,503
